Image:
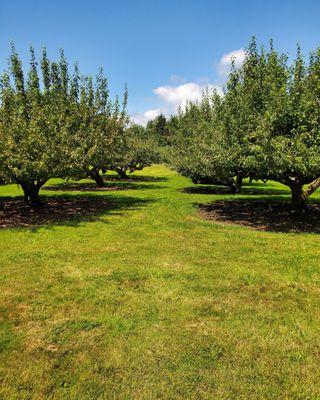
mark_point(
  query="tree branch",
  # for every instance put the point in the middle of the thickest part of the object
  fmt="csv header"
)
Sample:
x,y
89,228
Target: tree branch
x,y
312,187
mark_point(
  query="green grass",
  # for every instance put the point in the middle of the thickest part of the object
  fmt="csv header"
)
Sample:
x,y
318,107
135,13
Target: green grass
x,y
151,302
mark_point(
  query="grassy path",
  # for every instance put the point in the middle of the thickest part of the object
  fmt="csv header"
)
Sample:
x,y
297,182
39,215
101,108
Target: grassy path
x,y
148,301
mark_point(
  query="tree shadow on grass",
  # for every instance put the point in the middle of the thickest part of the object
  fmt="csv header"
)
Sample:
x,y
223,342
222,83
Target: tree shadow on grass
x,y
253,189
92,187
136,178
68,210
274,214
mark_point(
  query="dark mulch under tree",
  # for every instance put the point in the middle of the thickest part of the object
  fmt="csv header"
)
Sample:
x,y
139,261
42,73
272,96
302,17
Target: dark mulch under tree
x,y
264,216
135,178
257,189
54,210
82,187
92,187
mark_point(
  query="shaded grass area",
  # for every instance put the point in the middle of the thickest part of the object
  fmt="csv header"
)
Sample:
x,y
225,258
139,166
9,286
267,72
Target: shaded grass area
x,y
264,215
66,210
92,187
158,303
138,177
252,189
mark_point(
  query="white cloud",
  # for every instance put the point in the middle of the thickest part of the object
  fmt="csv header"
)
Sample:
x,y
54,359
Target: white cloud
x,y
143,118
180,92
152,113
174,96
224,65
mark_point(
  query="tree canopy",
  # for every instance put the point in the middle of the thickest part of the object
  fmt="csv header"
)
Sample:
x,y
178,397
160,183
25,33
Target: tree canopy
x,y
265,126
59,123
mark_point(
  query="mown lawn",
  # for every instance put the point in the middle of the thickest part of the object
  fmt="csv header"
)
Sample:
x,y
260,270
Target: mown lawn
x,y
149,301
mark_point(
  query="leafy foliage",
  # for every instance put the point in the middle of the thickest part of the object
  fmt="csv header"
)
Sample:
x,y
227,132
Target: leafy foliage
x,y
63,125
265,126
137,150
198,149
33,123
96,129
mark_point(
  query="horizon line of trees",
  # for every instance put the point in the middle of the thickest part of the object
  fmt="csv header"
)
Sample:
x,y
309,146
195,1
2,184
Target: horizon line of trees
x,y
266,125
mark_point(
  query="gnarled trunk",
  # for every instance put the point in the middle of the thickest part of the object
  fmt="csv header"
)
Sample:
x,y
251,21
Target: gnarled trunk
x,y
95,175
31,193
298,199
299,195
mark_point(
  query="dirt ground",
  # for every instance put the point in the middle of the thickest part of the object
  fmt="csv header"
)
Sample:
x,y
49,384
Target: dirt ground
x,y
264,216
15,213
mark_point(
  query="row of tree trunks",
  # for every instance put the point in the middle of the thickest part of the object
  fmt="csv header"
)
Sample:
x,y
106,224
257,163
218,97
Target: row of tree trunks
x,y
299,195
95,175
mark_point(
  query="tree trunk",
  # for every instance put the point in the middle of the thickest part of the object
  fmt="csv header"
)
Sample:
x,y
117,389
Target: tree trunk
x,y
31,194
313,186
239,180
95,175
237,184
121,173
298,196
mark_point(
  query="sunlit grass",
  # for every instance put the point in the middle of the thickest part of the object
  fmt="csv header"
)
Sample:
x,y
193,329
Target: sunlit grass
x,y
152,302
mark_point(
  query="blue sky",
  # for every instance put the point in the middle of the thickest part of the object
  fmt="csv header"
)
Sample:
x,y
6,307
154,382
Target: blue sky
x,y
166,51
